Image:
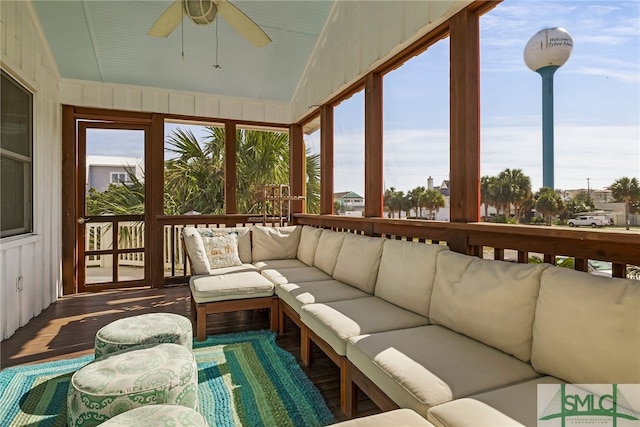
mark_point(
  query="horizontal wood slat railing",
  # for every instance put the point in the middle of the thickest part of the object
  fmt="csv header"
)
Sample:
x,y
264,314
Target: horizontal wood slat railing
x,y
620,247
172,225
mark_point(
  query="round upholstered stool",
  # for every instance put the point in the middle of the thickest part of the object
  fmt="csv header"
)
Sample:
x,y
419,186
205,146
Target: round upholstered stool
x,y
158,415
127,379
152,328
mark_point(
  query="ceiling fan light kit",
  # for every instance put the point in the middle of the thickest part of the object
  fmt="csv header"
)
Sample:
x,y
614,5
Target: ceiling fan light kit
x,y
203,12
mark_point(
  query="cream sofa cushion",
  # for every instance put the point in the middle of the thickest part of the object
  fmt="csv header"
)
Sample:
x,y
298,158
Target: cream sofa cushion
x,y
327,251
244,240
358,261
195,250
275,242
337,321
518,401
298,294
429,365
295,275
309,238
469,413
587,328
490,301
406,273
397,418
279,264
229,286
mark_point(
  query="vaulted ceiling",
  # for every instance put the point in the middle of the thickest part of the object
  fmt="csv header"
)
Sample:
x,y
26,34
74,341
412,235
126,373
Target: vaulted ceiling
x,y
107,41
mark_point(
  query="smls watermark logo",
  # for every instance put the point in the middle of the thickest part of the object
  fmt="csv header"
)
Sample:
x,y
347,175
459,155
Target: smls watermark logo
x,y
592,405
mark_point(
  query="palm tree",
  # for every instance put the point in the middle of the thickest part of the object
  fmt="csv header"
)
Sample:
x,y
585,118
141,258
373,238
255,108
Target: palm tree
x,y
548,203
487,192
433,200
414,200
515,189
626,190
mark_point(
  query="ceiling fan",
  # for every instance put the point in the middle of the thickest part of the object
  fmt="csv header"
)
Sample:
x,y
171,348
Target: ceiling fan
x,y
203,12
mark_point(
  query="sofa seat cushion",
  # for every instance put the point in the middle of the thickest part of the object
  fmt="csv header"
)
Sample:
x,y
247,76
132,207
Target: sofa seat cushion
x,y
491,301
469,413
397,418
295,275
227,270
426,366
279,264
229,286
518,402
298,294
587,328
335,322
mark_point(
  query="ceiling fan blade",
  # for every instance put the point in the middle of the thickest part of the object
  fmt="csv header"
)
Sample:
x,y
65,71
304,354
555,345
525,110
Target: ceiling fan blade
x,y
168,21
243,24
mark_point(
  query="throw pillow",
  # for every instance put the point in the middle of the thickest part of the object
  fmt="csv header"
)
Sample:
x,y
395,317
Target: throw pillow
x,y
221,249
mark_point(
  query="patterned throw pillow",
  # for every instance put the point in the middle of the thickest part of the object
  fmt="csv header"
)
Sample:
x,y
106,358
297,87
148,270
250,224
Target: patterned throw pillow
x,y
221,249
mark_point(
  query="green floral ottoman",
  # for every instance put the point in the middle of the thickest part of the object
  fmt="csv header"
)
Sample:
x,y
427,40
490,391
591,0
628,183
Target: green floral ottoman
x,y
124,380
150,328
158,415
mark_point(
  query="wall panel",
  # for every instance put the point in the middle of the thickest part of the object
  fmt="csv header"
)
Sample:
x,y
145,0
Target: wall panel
x,y
35,257
374,33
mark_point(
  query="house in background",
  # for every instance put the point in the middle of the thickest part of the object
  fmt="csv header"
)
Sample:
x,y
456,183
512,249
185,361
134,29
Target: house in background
x,y
348,203
442,214
105,170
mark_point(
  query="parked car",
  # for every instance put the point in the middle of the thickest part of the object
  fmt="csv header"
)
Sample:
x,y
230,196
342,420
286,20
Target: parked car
x,y
588,221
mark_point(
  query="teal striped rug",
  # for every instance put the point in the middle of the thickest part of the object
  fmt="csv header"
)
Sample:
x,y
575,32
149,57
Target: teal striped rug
x,y
244,379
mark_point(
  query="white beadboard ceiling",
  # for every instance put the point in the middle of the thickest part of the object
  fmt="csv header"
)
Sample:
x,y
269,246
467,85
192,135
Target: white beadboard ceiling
x,y
107,41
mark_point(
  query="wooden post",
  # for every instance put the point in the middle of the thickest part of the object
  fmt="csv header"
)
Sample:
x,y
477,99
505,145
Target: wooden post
x,y
230,175
154,195
465,117
373,150
297,158
69,216
326,160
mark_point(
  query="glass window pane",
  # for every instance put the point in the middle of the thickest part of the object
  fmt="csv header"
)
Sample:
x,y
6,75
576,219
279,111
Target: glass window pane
x,y
15,116
13,195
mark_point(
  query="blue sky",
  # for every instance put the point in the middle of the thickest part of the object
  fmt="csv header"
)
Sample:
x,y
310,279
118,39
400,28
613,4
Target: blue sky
x,y
597,102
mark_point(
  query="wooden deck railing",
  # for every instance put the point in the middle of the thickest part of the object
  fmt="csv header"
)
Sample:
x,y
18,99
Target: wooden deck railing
x,y
517,243
620,247
177,269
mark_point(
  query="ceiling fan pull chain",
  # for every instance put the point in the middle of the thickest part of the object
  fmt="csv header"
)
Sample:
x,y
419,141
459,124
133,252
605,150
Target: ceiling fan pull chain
x,y
182,30
217,65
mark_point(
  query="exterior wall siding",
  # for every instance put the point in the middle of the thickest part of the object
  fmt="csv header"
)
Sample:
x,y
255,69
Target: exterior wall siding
x,y
36,257
84,93
357,38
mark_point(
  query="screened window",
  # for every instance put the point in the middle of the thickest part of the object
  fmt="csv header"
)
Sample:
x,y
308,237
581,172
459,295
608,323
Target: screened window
x,y
16,148
118,177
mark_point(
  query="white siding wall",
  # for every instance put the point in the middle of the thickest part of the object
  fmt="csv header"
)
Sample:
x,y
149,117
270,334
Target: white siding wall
x,y
37,257
360,35
137,98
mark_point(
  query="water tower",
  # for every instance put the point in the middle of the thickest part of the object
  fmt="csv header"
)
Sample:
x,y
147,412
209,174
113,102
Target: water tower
x,y
545,52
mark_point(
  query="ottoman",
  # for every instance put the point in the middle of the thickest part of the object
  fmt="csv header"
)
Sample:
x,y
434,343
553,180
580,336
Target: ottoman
x,y
231,292
152,328
158,415
127,379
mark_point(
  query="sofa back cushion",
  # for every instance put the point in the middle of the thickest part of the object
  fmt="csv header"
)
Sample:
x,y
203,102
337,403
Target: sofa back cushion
x,y
275,242
587,328
194,247
406,273
327,251
490,301
309,238
358,261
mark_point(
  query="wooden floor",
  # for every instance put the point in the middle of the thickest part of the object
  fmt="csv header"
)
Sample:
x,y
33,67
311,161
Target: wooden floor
x,y
67,329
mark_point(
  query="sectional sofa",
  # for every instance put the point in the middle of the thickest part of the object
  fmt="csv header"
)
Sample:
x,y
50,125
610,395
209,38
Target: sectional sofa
x,y
418,326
